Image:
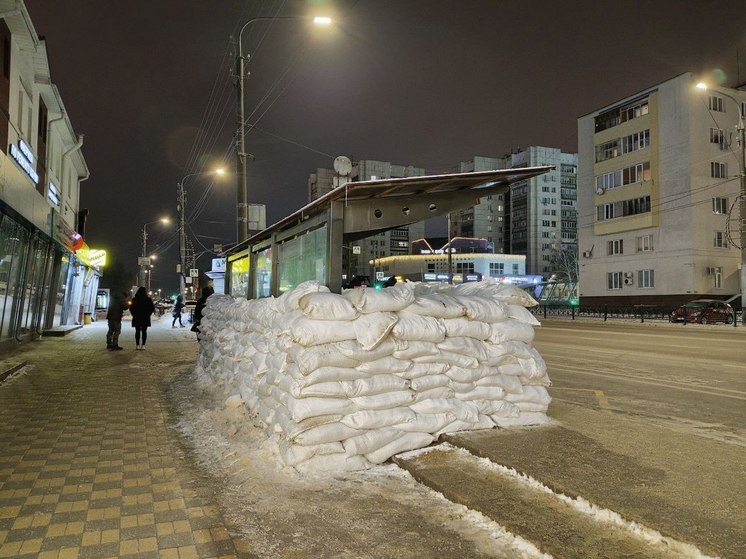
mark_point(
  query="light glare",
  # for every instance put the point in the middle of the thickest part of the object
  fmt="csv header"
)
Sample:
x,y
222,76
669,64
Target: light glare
x,y
322,20
701,85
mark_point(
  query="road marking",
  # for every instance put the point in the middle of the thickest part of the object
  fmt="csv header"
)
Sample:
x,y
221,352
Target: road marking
x,y
737,394
603,402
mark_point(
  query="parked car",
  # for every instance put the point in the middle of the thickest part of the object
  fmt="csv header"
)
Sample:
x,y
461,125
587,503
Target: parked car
x,y
703,311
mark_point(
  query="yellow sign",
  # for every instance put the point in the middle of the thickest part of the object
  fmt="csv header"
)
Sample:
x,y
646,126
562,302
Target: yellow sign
x,y
97,257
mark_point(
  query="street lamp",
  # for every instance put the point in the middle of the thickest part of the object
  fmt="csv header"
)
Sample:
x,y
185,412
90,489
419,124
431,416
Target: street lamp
x,y
181,207
742,202
242,196
145,259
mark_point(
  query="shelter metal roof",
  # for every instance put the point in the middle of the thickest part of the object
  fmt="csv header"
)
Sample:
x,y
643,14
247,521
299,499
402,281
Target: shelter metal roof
x,y
378,205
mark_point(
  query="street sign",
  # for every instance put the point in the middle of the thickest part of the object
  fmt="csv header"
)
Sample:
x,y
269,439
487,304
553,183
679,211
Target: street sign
x,y
143,260
379,276
356,249
193,272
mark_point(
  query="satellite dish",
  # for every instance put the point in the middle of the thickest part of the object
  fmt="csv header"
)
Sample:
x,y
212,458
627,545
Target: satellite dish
x,y
343,165
599,190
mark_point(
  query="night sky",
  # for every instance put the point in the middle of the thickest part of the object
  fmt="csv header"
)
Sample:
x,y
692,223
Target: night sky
x,y
427,83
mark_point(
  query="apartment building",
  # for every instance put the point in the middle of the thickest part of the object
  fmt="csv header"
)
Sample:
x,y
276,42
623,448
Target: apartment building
x,y
48,275
658,183
535,218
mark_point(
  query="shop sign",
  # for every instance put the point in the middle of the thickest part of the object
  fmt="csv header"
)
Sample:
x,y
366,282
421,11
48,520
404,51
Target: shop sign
x,y
97,257
25,158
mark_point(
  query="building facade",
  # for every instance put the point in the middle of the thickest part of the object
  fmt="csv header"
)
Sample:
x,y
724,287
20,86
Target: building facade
x,y
48,276
657,196
358,259
535,218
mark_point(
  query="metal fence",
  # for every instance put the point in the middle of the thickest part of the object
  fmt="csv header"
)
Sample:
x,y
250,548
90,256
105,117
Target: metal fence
x,y
639,313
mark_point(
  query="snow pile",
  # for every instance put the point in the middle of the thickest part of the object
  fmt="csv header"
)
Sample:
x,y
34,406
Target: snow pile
x,y
346,381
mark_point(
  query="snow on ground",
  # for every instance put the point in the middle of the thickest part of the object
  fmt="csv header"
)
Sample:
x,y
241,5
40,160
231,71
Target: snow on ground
x,y
601,515
380,512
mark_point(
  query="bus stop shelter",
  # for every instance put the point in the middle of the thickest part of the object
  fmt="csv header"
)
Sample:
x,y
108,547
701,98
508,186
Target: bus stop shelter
x,y
308,244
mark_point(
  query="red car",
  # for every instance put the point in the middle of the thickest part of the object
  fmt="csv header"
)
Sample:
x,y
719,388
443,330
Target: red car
x,y
703,311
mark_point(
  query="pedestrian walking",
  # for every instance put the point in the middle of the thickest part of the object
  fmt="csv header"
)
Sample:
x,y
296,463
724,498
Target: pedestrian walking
x,y
176,313
141,308
201,302
117,306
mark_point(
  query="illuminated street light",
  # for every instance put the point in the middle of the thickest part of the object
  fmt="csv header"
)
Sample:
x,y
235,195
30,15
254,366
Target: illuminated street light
x,y
181,207
742,203
242,196
143,263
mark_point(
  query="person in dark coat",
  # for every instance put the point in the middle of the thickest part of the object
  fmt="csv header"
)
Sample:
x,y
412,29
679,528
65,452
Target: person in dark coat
x,y
141,308
201,302
117,306
176,313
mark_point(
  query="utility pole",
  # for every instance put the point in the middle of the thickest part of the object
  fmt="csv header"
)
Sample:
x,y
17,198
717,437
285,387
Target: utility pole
x,y
181,206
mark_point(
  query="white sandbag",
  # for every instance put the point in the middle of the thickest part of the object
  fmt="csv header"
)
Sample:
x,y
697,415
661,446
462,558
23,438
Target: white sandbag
x,y
484,422
409,441
416,349
355,350
314,357
483,309
536,394
511,330
369,441
326,374
385,365
378,384
427,305
482,393
330,389
434,394
418,370
450,358
432,381
308,332
465,411
511,384
522,420
371,329
326,433
283,323
327,306
293,429
521,314
426,423
327,463
293,454
465,346
288,301
463,374
453,308
513,295
413,327
392,299
458,327
531,407
385,401
461,387
377,419
496,407
303,408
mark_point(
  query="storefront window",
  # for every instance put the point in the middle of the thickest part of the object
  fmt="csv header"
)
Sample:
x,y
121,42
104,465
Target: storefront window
x,y
240,277
13,247
303,258
263,285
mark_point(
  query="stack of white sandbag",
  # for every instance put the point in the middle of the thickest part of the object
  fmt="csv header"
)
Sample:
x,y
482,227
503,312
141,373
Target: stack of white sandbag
x,y
346,381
